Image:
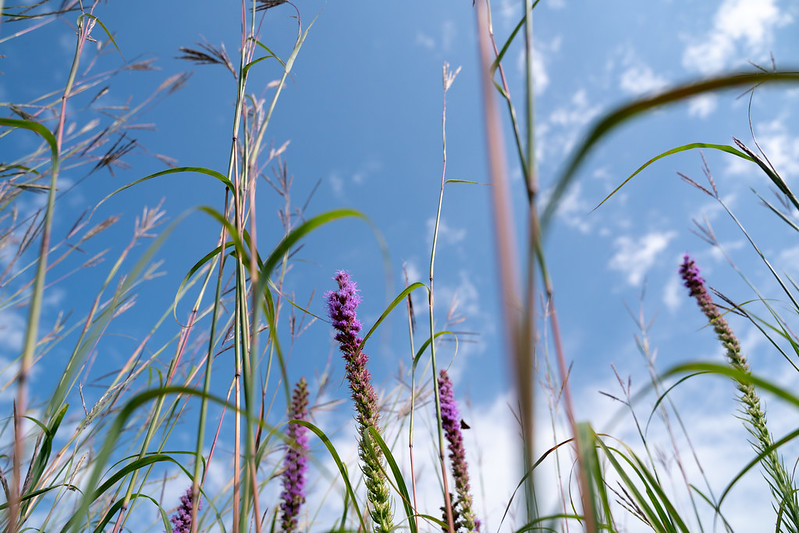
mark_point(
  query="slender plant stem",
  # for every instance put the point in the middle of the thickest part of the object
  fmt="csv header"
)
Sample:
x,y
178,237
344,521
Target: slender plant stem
x,y
85,25
441,456
413,405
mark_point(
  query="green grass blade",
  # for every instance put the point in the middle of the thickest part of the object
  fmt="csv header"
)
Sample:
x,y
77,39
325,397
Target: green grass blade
x,y
625,112
199,170
342,468
691,146
400,482
398,300
592,481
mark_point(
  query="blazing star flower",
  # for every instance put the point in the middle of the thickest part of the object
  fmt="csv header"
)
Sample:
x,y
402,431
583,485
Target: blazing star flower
x,y
342,306
451,422
181,520
755,417
296,462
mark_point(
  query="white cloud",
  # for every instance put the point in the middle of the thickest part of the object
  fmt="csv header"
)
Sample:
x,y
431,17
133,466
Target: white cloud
x,y
634,257
448,34
703,105
446,233
578,113
574,209
781,148
425,41
448,37
540,74
639,78
673,293
740,28
12,330
337,184
558,133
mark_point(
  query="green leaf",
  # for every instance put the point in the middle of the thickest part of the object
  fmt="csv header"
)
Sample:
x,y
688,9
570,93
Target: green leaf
x,y
342,468
401,487
692,146
628,111
36,128
399,299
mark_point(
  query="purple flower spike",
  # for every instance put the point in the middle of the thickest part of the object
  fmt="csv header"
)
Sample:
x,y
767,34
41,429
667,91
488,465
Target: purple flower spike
x,y
696,285
181,520
780,482
451,423
342,305
296,461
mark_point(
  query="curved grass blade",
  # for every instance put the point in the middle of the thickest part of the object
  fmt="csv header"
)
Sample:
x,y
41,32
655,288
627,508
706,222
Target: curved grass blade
x,y
342,468
691,146
296,235
37,128
625,112
590,465
238,243
398,300
44,490
36,468
426,343
649,505
401,488
666,393
756,461
120,503
200,170
91,491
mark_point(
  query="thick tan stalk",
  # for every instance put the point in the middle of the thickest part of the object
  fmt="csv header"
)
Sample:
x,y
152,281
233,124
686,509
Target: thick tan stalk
x,y
505,240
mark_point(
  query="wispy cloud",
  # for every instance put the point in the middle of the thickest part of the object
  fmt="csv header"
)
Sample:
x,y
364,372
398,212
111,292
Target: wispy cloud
x,y
639,78
634,257
702,106
446,233
445,40
425,41
740,28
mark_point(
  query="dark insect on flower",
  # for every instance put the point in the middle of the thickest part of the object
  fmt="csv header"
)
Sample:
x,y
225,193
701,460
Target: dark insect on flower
x,y
452,423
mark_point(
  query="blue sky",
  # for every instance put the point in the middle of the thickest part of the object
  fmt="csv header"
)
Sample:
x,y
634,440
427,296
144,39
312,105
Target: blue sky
x,y
362,115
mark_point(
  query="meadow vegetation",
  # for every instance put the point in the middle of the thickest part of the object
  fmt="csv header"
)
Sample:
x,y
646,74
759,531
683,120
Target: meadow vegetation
x,y
68,465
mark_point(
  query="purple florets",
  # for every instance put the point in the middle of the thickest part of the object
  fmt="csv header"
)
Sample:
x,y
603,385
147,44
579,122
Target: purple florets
x,y
181,520
690,275
696,285
342,305
451,423
296,461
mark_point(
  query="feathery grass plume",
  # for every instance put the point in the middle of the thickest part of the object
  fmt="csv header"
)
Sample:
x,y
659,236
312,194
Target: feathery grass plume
x,y
451,422
342,306
296,461
780,482
181,520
